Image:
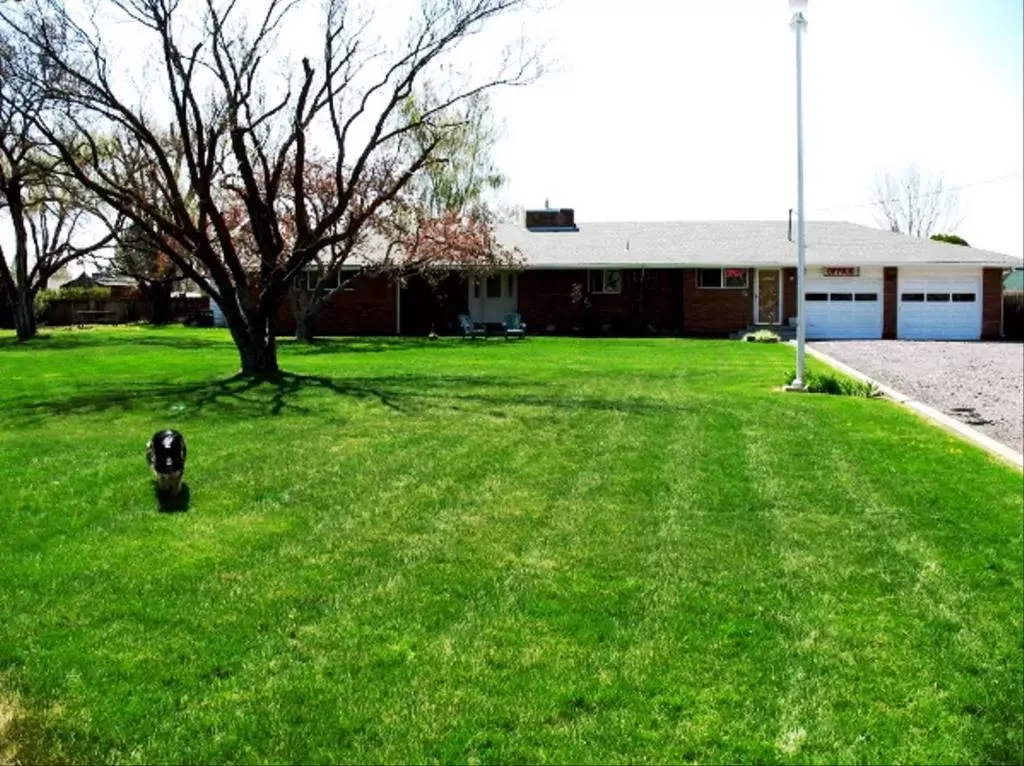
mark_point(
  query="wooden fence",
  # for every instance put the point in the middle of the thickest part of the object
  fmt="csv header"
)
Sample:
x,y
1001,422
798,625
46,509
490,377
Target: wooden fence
x,y
65,313
1013,316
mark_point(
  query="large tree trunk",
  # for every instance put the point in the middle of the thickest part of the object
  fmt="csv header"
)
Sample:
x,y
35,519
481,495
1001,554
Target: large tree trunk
x,y
24,315
257,348
253,333
258,355
304,326
304,307
160,295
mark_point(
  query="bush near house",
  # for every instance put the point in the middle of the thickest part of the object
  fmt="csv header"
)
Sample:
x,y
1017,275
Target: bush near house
x,y
762,336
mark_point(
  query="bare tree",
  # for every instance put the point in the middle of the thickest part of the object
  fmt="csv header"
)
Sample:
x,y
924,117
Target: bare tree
x,y
245,135
53,221
913,205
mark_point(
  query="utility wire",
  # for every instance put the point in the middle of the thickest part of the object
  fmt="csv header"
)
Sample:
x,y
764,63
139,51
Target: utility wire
x,y
929,194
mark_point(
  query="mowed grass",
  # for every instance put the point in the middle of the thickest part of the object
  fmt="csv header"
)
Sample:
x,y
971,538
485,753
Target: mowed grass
x,y
552,551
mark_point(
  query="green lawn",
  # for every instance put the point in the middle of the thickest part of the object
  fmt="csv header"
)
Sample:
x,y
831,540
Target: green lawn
x,y
550,551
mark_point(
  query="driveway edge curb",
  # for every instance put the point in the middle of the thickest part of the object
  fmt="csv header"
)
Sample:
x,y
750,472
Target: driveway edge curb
x,y
973,435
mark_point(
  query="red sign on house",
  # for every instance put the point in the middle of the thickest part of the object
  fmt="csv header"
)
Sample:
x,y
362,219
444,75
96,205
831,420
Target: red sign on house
x,y
842,271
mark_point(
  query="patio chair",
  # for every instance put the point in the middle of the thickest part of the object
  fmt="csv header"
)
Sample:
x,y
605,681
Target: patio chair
x,y
514,326
470,329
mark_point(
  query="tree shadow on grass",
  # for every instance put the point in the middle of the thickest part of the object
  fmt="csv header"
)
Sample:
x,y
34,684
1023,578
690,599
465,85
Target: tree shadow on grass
x,y
67,339
173,336
409,395
364,345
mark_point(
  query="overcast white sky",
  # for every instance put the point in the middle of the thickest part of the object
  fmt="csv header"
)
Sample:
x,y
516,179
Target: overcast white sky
x,y
679,109
685,109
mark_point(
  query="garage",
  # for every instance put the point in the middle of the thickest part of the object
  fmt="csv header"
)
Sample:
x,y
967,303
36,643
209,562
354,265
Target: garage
x,y
844,303
939,304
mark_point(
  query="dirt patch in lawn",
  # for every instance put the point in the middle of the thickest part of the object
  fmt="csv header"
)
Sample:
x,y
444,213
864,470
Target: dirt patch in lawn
x,y
10,715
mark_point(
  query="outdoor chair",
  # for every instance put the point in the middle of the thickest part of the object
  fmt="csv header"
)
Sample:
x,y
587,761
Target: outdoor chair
x,y
470,329
514,326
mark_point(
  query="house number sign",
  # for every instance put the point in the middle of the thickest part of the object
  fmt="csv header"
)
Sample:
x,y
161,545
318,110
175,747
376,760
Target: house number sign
x,y
842,271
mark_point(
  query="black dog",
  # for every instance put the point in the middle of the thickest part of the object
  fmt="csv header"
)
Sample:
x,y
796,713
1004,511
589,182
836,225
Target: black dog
x,y
166,453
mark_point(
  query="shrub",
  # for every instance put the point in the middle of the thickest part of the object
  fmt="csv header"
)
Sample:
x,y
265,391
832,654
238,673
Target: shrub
x,y
835,384
45,297
762,336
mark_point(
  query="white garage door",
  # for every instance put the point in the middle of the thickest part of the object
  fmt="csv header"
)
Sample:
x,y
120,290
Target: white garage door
x,y
843,309
939,305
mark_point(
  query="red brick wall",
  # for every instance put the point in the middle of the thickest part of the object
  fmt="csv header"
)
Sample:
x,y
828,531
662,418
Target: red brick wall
x,y
649,297
716,312
992,304
890,304
368,309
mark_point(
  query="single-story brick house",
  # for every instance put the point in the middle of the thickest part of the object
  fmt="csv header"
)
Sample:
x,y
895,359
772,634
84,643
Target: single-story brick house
x,y
697,278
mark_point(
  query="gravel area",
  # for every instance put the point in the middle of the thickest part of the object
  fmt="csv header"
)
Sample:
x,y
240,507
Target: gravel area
x,y
981,384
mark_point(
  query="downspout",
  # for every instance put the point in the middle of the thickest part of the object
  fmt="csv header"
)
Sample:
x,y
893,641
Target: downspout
x,y
1002,300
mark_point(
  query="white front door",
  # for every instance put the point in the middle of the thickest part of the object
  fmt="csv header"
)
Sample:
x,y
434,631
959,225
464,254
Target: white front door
x,y
939,305
490,298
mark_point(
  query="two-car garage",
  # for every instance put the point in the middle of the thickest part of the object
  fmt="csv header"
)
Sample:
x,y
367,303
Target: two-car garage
x,y
845,303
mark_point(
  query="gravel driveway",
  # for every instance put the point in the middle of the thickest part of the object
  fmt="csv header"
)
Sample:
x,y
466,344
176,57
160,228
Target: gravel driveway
x,y
981,384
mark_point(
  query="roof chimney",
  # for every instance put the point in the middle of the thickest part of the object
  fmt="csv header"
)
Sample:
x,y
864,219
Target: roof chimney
x,y
563,219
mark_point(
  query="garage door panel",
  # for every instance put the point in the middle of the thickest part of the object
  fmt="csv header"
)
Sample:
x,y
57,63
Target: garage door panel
x,y
939,307
843,309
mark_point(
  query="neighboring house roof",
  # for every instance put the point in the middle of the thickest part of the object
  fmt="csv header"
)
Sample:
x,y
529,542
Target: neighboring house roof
x,y
100,280
1014,282
733,243
116,280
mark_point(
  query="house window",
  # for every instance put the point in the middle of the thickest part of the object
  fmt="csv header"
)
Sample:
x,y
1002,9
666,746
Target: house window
x,y
722,279
315,280
605,281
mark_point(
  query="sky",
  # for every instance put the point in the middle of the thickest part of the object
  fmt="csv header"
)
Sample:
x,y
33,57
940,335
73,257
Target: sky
x,y
685,110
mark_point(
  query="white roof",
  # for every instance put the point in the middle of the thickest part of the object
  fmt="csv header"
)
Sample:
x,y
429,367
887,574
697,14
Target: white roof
x,y
733,243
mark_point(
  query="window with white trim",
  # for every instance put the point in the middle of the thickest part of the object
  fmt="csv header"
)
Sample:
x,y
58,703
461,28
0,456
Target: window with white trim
x,y
606,281
313,281
722,279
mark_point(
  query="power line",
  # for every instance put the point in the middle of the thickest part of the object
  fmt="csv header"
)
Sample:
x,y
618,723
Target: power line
x,y
929,194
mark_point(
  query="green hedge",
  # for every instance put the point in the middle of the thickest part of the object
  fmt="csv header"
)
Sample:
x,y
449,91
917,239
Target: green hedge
x,y
45,297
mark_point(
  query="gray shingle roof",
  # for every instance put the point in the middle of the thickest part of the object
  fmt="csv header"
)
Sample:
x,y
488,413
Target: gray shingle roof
x,y
733,243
